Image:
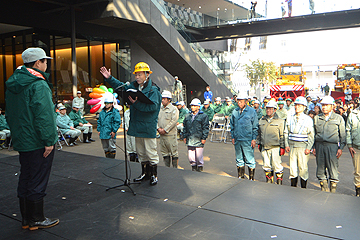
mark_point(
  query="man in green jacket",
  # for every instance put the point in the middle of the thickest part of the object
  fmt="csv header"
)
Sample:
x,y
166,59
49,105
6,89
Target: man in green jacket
x,y
80,123
30,114
144,118
182,113
5,133
208,110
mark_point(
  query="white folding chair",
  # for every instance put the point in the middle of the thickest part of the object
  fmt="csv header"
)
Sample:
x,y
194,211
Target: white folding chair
x,y
217,127
227,132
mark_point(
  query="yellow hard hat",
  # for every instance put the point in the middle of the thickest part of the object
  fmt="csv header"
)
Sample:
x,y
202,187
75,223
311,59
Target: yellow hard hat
x,y
142,67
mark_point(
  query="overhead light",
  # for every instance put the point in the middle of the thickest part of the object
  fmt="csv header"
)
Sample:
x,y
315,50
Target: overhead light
x,y
199,6
218,9
225,9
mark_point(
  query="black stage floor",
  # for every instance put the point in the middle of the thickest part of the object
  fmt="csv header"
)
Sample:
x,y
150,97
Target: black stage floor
x,y
184,205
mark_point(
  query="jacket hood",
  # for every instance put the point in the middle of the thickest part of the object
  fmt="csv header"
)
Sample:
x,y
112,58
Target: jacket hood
x,y
23,78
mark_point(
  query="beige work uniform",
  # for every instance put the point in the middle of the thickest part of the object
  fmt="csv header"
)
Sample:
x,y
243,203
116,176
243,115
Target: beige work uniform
x,y
271,138
299,135
168,117
353,140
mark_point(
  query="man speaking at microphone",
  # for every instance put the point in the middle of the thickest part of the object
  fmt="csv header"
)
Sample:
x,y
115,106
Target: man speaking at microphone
x,y
144,118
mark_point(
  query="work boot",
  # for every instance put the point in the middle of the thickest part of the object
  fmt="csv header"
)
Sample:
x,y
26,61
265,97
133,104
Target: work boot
x,y
357,189
72,142
269,176
153,174
144,173
132,157
241,172
89,137
85,138
36,216
333,187
200,168
303,183
112,154
279,178
251,173
294,181
2,143
175,161
194,168
324,186
24,213
167,161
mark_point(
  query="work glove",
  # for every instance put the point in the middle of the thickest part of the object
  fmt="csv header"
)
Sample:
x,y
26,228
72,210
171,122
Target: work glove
x,y
282,151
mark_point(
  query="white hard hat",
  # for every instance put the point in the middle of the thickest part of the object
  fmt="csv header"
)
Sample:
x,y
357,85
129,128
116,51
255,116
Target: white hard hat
x,y
256,101
271,104
195,102
166,94
109,99
61,107
301,100
207,101
180,103
218,99
242,97
328,100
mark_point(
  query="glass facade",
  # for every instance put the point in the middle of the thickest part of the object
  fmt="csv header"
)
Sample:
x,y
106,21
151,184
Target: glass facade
x,y
90,56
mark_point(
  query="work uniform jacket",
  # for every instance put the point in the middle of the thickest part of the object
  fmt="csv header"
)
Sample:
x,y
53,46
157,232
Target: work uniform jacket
x,y
3,123
30,110
64,123
227,110
210,112
217,108
182,113
167,120
271,132
244,125
196,129
77,118
299,134
108,121
330,131
282,113
353,129
144,117
80,101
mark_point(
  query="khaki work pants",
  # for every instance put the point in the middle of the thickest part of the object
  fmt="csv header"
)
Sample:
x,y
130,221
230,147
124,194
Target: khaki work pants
x,y
272,160
146,150
299,163
356,162
169,145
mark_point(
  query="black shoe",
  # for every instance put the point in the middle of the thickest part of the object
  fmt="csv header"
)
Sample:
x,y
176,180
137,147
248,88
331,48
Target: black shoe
x,y
279,178
194,168
132,157
241,172
85,138
112,155
24,213
36,216
72,142
294,181
89,137
153,174
200,169
251,173
303,183
175,161
357,189
144,173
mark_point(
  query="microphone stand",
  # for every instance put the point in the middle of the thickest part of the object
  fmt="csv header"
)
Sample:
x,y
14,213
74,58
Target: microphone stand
x,y
127,181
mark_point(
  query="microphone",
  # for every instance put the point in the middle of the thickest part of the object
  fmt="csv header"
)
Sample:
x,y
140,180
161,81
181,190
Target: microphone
x,y
122,85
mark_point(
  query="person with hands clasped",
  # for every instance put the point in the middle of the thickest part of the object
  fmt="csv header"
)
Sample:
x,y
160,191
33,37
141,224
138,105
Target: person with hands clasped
x,y
299,140
330,139
196,130
108,124
244,131
271,143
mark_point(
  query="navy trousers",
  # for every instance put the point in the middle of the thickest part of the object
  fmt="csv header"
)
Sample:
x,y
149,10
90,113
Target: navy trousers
x,y
34,174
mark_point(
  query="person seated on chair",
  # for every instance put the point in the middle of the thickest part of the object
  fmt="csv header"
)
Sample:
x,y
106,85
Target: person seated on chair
x,y
81,123
4,132
66,126
107,125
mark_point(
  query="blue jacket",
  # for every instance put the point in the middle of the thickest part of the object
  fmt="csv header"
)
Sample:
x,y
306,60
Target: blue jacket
x,y
108,122
208,95
244,126
197,130
143,117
